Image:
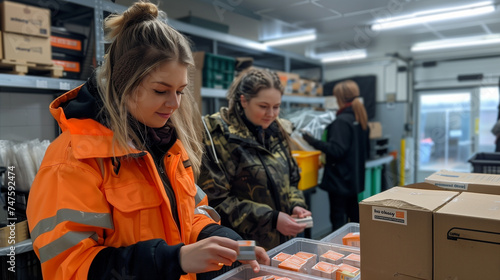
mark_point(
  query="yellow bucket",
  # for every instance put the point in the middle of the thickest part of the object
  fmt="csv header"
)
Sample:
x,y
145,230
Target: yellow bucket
x,y
308,162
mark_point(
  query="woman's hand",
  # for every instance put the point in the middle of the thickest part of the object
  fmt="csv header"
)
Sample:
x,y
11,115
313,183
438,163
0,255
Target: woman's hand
x,y
262,258
287,225
209,254
301,212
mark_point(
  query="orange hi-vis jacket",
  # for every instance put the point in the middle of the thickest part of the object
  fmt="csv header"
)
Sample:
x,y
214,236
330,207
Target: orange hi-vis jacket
x,y
79,204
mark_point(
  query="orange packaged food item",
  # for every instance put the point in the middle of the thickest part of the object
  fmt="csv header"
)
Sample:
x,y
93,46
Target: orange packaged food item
x,y
351,239
294,263
267,277
276,260
347,272
309,257
306,256
353,259
325,270
331,257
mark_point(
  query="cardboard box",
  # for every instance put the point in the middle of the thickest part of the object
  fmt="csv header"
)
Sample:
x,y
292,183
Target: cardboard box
x,y
375,130
396,233
196,77
289,81
14,233
1,44
467,238
27,48
465,182
25,19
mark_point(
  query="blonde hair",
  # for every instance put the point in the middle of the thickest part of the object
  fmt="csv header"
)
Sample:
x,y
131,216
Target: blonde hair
x,y
248,84
141,40
347,92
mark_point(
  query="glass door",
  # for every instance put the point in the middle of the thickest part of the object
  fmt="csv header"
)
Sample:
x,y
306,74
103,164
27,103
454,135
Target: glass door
x,y
445,135
488,113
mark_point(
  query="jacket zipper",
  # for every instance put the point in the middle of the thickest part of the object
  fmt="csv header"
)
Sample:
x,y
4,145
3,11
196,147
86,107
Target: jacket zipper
x,y
159,183
175,161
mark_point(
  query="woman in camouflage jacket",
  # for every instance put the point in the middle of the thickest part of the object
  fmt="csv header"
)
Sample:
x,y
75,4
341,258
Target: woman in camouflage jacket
x,y
248,172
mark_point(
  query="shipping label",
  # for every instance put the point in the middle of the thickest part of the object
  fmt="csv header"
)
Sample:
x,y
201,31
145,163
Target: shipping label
x,y
389,215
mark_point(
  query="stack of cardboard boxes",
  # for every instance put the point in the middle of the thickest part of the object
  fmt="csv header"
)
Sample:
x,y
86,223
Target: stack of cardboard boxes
x,y
293,84
446,228
25,33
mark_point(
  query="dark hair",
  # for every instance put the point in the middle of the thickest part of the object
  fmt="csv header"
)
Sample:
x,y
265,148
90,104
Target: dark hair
x,y
248,84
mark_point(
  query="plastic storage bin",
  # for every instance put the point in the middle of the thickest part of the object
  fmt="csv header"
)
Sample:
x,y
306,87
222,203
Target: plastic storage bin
x,y
218,71
336,236
308,162
311,246
245,272
376,180
368,189
27,263
486,163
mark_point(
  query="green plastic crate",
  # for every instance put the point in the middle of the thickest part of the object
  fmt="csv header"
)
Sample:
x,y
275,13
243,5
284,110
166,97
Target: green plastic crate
x,y
218,71
368,188
376,185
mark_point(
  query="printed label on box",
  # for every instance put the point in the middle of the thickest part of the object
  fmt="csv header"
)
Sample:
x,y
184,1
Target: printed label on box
x,y
389,215
452,186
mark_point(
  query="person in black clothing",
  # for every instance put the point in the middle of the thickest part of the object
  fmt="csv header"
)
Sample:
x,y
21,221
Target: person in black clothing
x,y
497,139
346,149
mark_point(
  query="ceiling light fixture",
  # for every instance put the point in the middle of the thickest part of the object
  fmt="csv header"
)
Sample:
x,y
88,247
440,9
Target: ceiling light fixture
x,y
456,43
291,40
340,56
434,15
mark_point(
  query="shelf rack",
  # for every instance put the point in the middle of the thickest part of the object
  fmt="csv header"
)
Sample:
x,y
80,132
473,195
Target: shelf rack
x,y
218,43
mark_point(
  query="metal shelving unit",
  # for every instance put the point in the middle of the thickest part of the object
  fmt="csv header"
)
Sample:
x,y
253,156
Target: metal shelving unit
x,y
287,100
219,43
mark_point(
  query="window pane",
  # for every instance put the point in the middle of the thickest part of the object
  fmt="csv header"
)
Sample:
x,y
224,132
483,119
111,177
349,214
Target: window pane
x,y
445,132
488,112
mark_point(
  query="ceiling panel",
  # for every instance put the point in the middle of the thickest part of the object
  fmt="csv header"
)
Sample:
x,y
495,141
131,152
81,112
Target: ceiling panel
x,y
258,5
494,27
299,13
329,25
356,6
463,32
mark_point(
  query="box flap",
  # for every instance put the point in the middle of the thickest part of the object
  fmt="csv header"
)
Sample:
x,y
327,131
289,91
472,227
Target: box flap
x,y
485,206
460,181
406,198
199,59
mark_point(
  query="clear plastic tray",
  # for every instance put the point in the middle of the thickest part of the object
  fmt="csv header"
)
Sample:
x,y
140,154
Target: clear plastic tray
x,y
311,246
245,272
336,236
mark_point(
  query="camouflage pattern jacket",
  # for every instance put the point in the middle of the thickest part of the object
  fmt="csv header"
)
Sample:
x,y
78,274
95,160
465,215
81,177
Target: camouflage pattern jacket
x,y
248,184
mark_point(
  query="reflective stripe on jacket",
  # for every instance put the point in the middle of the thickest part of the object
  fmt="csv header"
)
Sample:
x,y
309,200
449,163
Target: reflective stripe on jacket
x,y
82,200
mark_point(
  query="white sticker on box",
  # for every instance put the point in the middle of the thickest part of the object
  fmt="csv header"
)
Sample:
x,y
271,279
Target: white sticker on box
x,y
452,186
389,215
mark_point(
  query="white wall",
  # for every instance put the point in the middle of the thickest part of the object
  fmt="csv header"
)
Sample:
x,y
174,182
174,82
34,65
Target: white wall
x,y
26,116
389,81
444,74
215,11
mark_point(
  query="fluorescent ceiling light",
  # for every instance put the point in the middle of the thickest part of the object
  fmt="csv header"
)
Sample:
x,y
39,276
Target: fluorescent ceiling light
x,y
457,43
291,40
340,56
434,15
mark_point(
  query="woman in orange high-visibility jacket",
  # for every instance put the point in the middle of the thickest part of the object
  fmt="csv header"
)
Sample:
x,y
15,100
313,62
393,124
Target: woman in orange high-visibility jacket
x,y
115,196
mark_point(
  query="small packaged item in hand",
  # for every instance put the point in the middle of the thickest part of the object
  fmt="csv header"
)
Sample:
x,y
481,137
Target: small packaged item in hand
x,y
307,220
247,250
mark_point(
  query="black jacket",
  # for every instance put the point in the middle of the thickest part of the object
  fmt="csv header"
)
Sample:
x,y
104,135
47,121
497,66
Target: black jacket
x,y
346,149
